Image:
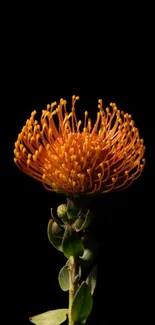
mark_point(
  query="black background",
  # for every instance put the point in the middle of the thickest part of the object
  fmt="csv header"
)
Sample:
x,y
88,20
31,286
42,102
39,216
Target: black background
x,y
44,61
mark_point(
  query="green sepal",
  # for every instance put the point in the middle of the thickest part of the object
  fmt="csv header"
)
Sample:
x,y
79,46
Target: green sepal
x,y
92,279
83,221
55,241
63,278
82,303
51,317
72,244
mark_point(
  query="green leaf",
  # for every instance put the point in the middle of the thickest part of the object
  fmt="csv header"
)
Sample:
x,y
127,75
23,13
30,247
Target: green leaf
x,y
51,317
72,244
56,242
92,279
63,278
82,303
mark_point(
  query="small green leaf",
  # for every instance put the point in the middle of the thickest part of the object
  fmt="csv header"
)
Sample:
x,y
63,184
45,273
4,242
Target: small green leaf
x,y
51,317
56,242
80,269
82,303
72,244
92,279
63,278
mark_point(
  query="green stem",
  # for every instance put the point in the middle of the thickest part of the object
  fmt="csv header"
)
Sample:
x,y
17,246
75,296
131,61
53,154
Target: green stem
x,y
73,284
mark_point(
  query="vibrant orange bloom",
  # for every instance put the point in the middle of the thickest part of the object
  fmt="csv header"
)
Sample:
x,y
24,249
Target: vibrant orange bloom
x,y
73,160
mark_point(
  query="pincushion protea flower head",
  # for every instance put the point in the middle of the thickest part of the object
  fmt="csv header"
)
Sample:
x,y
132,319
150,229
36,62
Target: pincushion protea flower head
x,y
75,159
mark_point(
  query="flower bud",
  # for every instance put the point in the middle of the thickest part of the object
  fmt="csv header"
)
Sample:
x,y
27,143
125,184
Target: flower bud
x,y
78,223
83,221
62,212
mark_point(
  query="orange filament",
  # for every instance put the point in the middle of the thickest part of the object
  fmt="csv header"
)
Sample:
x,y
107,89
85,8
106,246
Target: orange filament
x,y
96,159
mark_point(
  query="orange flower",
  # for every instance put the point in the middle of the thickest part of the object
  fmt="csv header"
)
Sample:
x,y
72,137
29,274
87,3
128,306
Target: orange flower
x,y
72,159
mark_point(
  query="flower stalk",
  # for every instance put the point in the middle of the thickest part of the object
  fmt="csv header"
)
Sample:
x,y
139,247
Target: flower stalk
x,y
73,270
69,233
